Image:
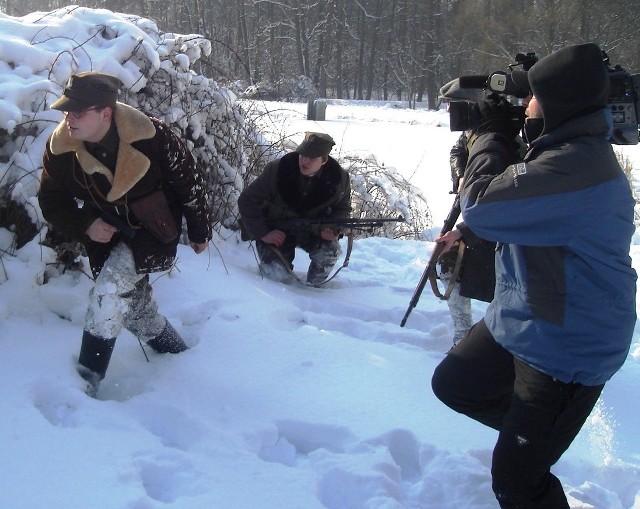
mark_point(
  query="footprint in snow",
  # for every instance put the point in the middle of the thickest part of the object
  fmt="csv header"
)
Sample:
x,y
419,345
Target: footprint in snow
x,y
289,440
167,478
57,403
172,426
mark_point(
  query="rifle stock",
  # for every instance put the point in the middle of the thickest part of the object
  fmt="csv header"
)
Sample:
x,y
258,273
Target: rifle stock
x,y
449,223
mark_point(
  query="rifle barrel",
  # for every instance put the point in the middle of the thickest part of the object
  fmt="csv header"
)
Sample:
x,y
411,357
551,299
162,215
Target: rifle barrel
x,y
351,222
449,224
433,260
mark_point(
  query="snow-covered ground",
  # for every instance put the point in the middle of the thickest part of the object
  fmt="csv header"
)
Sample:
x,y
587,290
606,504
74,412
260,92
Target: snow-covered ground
x,y
290,397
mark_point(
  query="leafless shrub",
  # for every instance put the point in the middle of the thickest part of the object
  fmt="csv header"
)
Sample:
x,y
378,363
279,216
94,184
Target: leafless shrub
x,y
627,167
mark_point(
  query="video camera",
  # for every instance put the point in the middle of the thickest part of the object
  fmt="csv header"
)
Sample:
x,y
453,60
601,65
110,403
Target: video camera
x,y
624,104
623,100
461,115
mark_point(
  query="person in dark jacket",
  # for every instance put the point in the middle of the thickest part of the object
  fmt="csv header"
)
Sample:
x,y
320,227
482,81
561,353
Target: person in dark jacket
x,y
307,183
476,277
562,319
134,180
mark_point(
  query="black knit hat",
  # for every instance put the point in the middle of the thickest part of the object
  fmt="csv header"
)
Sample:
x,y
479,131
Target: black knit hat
x,y
87,89
567,83
315,145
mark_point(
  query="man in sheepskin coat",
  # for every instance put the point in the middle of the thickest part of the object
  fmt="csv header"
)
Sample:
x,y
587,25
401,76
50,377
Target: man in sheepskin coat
x,y
120,182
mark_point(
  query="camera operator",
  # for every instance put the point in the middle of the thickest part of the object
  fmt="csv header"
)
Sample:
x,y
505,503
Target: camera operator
x,y
562,318
476,279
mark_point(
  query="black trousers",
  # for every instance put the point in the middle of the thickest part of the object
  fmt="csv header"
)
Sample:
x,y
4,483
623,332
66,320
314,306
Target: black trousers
x,y
536,416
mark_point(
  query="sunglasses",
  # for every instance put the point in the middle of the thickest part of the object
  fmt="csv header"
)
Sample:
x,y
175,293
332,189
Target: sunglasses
x,y
77,115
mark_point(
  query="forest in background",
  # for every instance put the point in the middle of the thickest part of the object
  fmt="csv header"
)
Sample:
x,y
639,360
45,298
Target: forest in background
x,y
376,49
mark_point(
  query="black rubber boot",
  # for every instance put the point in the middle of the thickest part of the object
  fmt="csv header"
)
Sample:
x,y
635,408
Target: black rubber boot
x,y
168,341
95,354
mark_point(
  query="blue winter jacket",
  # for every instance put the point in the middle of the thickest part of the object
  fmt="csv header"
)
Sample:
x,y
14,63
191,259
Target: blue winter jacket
x,y
565,289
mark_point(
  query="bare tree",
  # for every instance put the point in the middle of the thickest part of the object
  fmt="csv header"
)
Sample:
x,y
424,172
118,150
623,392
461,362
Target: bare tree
x,y
402,49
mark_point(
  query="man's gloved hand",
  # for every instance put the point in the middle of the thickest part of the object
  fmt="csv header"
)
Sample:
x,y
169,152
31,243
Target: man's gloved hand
x,y
496,115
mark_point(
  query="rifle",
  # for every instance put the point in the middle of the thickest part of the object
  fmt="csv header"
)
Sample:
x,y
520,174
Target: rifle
x,y
335,224
122,225
449,223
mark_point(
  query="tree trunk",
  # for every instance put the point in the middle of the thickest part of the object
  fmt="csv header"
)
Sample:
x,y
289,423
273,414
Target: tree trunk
x,y
340,29
362,38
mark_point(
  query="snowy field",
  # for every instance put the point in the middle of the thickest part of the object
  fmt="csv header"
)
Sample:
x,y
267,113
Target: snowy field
x,y
289,397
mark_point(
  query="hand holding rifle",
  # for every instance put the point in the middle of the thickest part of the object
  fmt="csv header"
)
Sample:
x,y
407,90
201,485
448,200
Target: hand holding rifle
x,y
448,239
329,234
274,237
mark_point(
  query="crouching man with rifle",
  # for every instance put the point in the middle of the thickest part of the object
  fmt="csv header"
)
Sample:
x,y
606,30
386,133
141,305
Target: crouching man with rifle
x,y
307,184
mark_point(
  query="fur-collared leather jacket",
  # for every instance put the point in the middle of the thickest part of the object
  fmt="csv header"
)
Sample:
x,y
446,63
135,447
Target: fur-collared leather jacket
x,y
281,192
150,157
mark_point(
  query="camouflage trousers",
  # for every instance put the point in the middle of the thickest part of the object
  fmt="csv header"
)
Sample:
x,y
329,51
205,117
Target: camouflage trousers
x,y
324,255
121,298
459,306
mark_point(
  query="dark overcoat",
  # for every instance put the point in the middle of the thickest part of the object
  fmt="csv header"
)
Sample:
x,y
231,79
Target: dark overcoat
x,y
282,192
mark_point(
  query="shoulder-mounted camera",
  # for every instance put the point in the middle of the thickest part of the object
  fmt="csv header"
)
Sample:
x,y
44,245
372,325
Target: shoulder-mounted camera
x,y
623,100
461,116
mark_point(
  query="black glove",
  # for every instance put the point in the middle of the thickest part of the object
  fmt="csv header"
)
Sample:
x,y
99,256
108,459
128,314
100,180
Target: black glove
x,y
496,115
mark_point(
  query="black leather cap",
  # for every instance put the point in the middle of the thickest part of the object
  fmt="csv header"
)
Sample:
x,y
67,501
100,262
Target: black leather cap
x,y
87,89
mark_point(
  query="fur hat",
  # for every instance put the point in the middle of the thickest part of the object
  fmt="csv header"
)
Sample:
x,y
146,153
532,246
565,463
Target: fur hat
x,y
315,145
87,89
452,91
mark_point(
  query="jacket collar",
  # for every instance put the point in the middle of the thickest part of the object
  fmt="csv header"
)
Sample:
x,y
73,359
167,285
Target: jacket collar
x,y
595,124
131,164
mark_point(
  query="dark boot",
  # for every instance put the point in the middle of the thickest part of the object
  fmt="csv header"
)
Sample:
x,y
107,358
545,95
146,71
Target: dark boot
x,y
168,341
95,354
